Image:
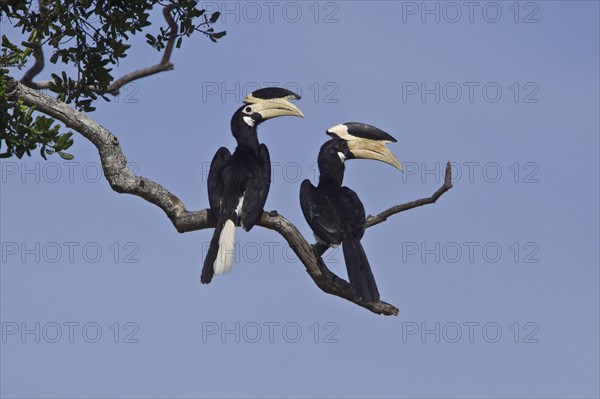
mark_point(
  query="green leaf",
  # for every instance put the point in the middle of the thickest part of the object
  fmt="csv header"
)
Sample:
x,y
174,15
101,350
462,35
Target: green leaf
x,y
66,156
56,78
219,35
151,40
215,17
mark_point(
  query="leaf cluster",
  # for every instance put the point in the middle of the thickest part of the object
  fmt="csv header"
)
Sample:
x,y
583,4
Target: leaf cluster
x,y
21,132
87,38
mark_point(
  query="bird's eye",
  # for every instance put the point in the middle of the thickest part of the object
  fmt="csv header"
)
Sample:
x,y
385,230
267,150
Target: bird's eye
x,y
248,109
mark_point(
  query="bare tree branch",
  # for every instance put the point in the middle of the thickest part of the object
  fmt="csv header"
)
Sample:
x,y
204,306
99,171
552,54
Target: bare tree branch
x,y
320,248
36,68
122,180
325,279
164,64
382,217
114,163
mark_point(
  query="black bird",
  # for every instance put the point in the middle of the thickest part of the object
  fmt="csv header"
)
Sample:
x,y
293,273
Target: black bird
x,y
335,213
238,183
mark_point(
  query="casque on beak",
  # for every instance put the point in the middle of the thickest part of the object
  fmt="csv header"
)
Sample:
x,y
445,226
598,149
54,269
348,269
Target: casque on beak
x,y
371,149
275,107
366,142
273,102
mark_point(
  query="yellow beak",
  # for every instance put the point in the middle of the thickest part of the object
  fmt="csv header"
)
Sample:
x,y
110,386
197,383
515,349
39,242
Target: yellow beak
x,y
371,149
275,107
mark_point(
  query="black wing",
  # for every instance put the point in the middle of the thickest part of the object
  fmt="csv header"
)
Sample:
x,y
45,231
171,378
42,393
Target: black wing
x,y
257,190
355,210
215,182
321,213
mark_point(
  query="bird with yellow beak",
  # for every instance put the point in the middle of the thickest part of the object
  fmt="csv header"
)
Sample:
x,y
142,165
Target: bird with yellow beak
x,y
238,183
334,212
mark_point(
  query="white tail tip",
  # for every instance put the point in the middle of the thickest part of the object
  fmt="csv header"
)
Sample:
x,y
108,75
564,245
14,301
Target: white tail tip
x,y
226,252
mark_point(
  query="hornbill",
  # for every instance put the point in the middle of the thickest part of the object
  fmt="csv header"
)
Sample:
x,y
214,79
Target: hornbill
x,y
238,183
335,213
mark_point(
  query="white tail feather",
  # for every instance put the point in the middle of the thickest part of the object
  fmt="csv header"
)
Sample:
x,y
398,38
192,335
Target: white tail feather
x,y
226,252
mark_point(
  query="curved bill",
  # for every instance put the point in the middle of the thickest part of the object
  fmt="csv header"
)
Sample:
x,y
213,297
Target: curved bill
x,y
275,107
370,149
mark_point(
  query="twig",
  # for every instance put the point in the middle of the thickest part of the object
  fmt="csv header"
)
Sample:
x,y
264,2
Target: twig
x,y
164,64
382,217
38,55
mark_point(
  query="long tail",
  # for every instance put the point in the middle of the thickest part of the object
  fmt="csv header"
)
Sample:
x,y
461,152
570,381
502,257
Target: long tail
x,y
359,271
221,250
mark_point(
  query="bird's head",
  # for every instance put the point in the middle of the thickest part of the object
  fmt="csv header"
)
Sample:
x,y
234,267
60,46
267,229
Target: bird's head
x,y
265,104
353,140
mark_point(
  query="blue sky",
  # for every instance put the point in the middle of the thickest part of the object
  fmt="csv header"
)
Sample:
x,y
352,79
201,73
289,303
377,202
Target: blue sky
x,y
497,283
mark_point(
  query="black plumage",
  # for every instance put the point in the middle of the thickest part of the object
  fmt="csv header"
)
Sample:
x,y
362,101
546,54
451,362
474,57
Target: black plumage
x,y
238,183
334,212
